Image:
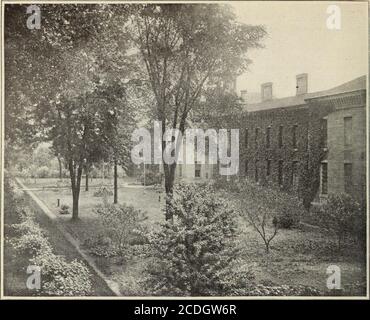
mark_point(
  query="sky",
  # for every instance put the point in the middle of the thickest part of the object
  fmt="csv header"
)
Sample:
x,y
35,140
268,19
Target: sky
x,y
299,41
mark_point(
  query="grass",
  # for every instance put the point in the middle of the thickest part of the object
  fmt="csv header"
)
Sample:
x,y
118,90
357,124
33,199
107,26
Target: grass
x,y
297,256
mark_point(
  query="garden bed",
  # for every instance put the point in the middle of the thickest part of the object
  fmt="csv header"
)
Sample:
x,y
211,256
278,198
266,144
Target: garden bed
x,y
298,256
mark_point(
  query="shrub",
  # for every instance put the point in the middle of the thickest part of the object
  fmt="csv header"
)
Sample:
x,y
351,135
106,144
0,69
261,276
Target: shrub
x,y
341,215
101,246
289,212
231,185
27,226
103,192
197,254
43,172
62,278
122,223
151,178
284,290
31,243
64,209
12,198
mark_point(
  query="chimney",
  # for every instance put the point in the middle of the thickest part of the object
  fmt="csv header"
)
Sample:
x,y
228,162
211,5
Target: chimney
x,y
266,91
243,95
302,83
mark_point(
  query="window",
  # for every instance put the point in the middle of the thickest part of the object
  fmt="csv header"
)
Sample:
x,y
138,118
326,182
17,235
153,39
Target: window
x,y
294,136
324,178
295,175
268,137
246,138
347,131
246,167
256,136
348,185
268,168
197,170
280,136
256,171
280,172
324,133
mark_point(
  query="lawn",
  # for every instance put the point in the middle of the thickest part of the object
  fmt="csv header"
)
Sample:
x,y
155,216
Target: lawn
x,y
297,257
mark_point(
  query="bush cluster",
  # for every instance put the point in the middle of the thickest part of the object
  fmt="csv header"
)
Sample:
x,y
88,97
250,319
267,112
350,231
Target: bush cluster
x,y
284,290
62,278
151,178
58,276
103,192
344,217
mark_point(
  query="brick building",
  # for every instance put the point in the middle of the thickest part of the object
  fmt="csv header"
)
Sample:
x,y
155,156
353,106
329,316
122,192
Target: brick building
x,y
310,143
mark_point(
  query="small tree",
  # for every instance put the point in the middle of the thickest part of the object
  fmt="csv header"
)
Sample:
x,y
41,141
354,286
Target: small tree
x,y
266,209
340,214
197,253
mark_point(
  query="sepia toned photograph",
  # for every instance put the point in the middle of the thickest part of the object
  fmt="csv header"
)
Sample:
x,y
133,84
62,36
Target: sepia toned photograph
x,y
200,149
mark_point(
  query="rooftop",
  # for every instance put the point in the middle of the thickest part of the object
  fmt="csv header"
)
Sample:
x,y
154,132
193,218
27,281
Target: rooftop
x,y
353,85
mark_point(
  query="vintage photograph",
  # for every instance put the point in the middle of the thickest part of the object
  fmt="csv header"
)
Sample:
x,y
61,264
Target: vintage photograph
x,y
184,149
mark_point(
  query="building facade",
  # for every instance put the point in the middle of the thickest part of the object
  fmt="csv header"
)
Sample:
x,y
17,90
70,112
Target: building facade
x,y
311,143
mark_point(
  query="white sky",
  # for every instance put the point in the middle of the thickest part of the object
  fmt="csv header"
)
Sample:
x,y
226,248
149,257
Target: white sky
x,y
299,41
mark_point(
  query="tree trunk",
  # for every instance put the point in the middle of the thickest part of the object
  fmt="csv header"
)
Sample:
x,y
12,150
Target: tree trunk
x,y
75,175
60,169
75,196
169,179
86,179
267,247
115,183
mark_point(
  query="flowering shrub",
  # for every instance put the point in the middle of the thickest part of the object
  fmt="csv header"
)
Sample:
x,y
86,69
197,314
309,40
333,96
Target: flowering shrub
x,y
101,246
31,243
197,254
122,223
284,290
27,226
62,278
58,277
43,172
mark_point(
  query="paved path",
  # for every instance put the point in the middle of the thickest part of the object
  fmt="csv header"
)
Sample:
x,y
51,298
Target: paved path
x,y
113,286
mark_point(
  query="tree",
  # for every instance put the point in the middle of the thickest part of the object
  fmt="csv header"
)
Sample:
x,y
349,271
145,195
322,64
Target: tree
x,y
260,216
58,74
183,47
266,208
220,108
82,129
198,254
